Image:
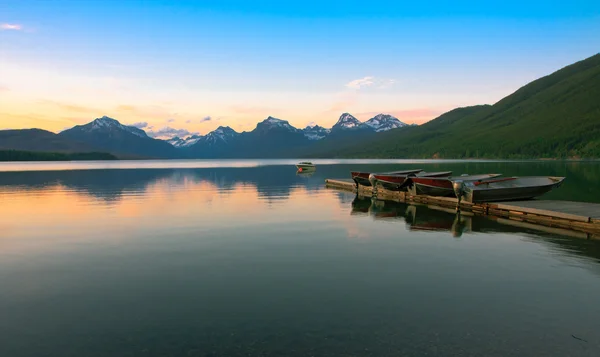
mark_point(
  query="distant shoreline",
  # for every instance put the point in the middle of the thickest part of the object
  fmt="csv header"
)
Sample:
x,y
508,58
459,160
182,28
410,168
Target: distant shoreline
x,y
18,155
30,156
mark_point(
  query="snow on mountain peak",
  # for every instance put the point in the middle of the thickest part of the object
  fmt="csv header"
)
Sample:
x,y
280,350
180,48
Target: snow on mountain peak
x,y
347,121
223,130
384,122
272,122
315,132
107,123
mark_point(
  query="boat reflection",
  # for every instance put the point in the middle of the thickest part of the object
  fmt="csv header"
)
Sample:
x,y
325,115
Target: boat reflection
x,y
427,220
305,173
420,217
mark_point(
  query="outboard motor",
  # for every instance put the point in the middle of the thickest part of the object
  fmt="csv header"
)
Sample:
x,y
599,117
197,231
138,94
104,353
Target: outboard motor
x,y
458,187
372,180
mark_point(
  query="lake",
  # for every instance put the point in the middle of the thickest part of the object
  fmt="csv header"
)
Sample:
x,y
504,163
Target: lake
x,y
249,258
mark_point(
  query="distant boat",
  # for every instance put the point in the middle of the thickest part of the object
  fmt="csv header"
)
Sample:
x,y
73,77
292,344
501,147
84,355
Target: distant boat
x,y
507,189
305,165
362,177
402,182
442,186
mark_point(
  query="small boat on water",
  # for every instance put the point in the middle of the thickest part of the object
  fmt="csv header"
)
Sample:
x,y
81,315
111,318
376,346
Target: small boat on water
x,y
506,189
362,178
305,165
443,186
403,181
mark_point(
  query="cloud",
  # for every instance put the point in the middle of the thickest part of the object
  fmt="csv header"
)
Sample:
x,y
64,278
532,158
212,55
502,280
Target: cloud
x,y
168,132
206,118
170,120
188,121
72,107
13,27
343,102
361,82
4,89
370,81
386,83
140,125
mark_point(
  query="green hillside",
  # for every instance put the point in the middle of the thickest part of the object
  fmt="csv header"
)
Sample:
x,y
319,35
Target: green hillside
x,y
557,116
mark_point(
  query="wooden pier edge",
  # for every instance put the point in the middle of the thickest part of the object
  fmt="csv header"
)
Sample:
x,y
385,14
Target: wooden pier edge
x,y
584,222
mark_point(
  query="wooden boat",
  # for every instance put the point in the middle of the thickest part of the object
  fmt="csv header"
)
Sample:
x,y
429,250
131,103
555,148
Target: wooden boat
x,y
402,182
305,165
442,186
507,188
362,178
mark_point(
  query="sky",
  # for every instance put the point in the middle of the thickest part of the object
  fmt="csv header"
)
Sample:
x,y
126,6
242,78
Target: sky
x,y
182,67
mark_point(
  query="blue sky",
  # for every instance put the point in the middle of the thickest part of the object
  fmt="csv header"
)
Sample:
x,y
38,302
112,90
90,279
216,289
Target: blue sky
x,y
174,63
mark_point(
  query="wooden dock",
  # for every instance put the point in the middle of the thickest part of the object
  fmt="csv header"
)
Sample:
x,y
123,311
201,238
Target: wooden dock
x,y
580,216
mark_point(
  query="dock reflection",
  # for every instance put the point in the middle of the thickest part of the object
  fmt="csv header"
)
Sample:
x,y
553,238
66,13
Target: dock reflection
x,y
420,217
427,219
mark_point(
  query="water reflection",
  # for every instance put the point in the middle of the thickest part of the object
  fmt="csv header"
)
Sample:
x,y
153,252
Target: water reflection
x,y
418,217
271,182
427,219
262,261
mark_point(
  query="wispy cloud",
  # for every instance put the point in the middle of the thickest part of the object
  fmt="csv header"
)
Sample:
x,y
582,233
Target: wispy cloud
x,y
343,102
170,120
67,107
370,81
205,119
386,83
361,82
168,132
9,27
140,125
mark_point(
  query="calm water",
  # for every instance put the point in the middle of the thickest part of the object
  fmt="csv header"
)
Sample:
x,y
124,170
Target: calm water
x,y
247,258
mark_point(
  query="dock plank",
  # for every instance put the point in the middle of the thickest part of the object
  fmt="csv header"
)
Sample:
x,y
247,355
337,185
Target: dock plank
x,y
568,209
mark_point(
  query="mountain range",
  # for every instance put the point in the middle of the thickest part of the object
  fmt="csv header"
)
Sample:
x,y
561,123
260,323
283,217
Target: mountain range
x,y
556,116
272,137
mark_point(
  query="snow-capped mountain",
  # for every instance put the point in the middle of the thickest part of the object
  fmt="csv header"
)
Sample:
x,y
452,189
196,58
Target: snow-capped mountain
x,y
108,134
106,124
272,137
384,122
184,142
347,121
221,135
315,132
272,123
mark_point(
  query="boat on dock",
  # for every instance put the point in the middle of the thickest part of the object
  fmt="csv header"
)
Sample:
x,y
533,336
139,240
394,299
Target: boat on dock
x,y
402,182
506,189
443,186
305,166
362,177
